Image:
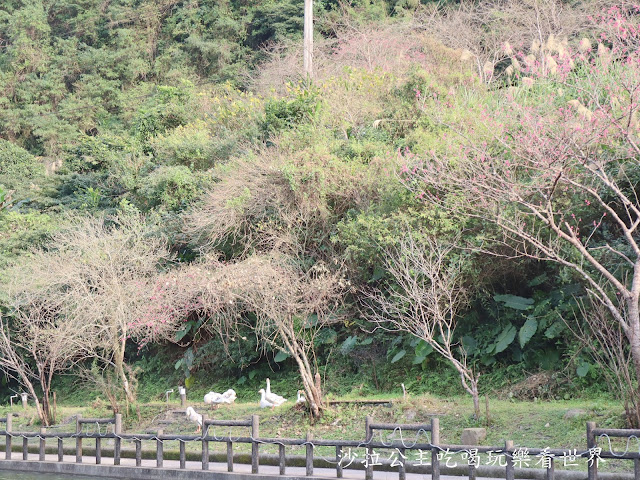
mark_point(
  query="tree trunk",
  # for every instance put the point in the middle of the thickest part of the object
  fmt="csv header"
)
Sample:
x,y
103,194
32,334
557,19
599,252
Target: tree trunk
x,y
633,335
119,363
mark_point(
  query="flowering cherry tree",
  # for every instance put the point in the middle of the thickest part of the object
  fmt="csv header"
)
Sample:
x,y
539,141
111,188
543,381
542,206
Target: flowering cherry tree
x,y
282,304
559,181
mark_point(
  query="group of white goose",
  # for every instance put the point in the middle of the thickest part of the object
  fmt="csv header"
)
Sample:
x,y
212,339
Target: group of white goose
x,y
267,399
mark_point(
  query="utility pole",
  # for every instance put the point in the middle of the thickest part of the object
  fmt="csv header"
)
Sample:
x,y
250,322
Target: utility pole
x,y
308,39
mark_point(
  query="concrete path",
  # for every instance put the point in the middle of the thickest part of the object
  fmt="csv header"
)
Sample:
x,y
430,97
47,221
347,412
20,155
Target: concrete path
x,y
215,467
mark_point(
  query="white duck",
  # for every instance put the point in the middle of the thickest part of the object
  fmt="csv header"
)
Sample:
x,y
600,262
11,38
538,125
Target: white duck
x,y
194,417
301,398
264,402
272,397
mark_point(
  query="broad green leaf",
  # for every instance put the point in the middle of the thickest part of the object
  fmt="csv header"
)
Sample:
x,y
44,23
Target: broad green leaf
x,y
554,330
348,344
252,374
469,344
180,334
527,331
583,369
367,341
514,301
540,279
505,338
398,356
280,356
422,351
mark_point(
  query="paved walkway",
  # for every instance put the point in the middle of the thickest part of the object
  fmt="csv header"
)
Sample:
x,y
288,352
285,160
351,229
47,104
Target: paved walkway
x,y
348,473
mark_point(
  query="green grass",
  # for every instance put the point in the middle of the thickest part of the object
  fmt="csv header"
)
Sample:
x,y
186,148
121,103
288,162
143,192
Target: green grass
x,y
532,424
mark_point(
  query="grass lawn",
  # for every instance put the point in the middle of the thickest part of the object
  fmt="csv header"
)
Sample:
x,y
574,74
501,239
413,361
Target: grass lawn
x,y
536,424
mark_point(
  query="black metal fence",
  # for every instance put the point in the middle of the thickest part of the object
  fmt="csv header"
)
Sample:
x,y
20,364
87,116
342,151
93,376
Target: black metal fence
x,y
431,453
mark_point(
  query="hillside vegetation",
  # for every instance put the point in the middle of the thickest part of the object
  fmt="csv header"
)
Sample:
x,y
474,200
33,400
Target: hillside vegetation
x,y
450,203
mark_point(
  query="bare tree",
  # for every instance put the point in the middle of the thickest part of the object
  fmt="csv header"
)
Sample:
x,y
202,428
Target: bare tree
x,y
487,33
37,344
603,338
95,272
427,295
287,305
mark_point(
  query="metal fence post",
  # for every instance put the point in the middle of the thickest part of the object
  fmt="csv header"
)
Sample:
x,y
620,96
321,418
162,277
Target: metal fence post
x,y
591,443
255,446
60,450
78,438
117,444
138,443
41,450
368,473
229,456
98,450
309,455
282,462
7,437
508,450
205,444
551,471
159,449
183,456
435,440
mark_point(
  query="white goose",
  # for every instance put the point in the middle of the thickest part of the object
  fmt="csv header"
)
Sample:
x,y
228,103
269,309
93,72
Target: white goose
x,y
272,397
264,401
214,398
301,398
194,417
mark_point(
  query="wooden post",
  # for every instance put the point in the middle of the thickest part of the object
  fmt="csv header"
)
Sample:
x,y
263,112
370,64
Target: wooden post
x,y
78,439
591,443
41,451
205,444
339,461
229,457
636,468
159,449
183,396
255,446
60,450
282,463
24,397
368,471
7,437
138,443
486,405
435,440
25,448
309,456
308,39
117,444
183,456
98,450
510,471
402,471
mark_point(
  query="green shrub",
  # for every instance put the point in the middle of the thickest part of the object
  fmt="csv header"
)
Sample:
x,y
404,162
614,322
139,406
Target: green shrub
x,y
170,187
17,165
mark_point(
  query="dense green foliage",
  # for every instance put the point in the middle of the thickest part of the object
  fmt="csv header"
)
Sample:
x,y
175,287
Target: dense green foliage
x,y
173,109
